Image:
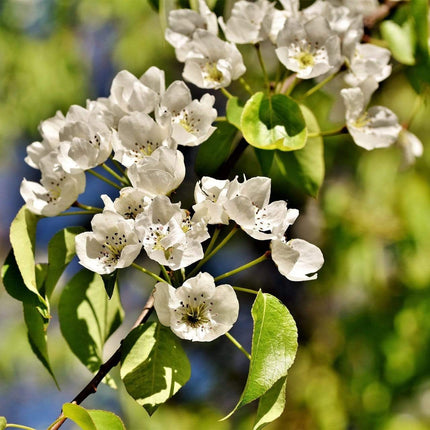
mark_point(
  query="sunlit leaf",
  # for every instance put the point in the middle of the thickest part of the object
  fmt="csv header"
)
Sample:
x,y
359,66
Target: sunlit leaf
x,y
273,122
234,111
274,346
271,404
305,168
154,366
61,250
401,40
88,317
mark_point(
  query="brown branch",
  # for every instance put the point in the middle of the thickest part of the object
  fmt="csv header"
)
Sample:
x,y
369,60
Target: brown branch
x,y
106,367
380,13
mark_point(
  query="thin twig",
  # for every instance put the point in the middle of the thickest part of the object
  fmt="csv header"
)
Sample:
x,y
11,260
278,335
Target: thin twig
x,y
105,368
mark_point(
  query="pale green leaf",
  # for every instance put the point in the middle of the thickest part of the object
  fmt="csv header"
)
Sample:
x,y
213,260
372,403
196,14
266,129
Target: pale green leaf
x,y
234,111
154,366
88,317
61,250
22,239
105,420
274,346
271,404
305,168
273,122
401,40
79,415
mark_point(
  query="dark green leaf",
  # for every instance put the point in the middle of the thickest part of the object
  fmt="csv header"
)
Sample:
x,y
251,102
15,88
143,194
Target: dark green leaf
x,y
305,168
401,40
265,158
109,281
273,122
419,12
61,250
155,4
88,317
274,346
22,239
216,149
234,111
37,336
271,404
154,366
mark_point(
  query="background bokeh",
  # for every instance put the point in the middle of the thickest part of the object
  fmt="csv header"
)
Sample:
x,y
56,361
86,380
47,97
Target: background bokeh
x,y
364,325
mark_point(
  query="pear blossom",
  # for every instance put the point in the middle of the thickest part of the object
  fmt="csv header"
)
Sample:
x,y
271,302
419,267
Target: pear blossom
x,y
129,94
138,136
85,140
182,24
274,19
245,24
211,62
250,208
57,189
160,173
112,244
365,7
49,130
309,48
210,195
377,127
191,120
130,203
198,310
169,236
411,146
296,259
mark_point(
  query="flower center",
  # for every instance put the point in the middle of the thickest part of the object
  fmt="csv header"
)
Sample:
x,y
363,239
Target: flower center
x,y
195,316
305,59
211,72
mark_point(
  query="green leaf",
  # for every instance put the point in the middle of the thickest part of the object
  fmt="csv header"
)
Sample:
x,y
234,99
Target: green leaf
x,y
265,158
61,250
271,404
216,149
22,239
88,317
109,281
105,420
234,111
154,365
37,337
274,346
273,122
401,40
419,12
305,168
3,423
79,415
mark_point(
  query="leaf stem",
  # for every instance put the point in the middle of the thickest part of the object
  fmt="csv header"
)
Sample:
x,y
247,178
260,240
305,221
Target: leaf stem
x,y
243,267
102,178
212,253
318,86
78,213
213,240
245,290
19,426
263,66
148,272
246,86
115,175
165,274
334,132
226,93
86,207
238,345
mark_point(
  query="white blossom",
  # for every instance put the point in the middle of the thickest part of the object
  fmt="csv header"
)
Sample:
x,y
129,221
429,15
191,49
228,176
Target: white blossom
x,y
274,19
160,173
57,189
130,203
138,136
245,24
183,23
377,127
113,244
191,120
169,236
198,310
309,48
250,208
211,62
411,146
296,259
